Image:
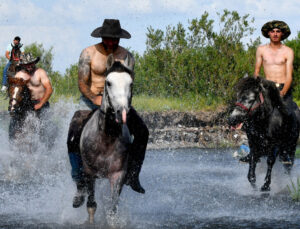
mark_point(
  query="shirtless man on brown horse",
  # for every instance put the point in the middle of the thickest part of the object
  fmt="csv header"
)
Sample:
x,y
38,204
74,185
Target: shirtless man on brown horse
x,y
91,79
38,84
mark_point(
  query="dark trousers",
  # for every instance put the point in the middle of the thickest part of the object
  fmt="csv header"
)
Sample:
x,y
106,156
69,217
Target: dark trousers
x,y
137,128
292,107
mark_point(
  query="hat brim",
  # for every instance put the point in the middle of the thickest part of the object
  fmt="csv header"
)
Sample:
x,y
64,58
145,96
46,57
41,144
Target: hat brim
x,y
276,24
98,33
31,62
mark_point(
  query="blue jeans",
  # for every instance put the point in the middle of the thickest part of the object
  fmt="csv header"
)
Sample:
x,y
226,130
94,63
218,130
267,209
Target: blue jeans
x,y
86,104
75,158
4,79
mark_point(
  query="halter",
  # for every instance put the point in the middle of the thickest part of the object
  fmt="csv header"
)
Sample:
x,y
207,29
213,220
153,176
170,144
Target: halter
x,y
252,108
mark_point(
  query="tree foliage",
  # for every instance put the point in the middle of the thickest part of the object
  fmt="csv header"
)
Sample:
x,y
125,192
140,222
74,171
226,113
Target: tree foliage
x,y
197,60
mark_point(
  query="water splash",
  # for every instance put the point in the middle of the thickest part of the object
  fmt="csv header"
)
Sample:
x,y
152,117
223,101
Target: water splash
x,y
186,188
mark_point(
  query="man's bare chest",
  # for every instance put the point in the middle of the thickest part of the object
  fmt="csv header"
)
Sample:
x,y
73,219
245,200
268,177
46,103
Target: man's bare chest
x,y
274,58
35,81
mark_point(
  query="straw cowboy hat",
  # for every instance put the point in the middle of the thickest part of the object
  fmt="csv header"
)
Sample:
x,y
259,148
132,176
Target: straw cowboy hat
x,y
111,28
285,29
27,58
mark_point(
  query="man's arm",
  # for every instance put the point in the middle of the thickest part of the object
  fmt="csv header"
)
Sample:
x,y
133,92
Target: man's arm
x,y
7,55
258,61
84,77
48,88
289,72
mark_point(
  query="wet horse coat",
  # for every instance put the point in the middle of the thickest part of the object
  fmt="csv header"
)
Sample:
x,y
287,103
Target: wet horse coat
x,y
105,139
19,104
270,129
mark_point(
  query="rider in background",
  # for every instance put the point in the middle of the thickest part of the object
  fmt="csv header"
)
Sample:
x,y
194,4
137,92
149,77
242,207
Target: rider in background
x,y
9,54
277,61
39,83
91,80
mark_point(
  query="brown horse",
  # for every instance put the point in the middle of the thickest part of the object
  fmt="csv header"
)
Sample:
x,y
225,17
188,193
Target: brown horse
x,y
19,104
15,60
105,139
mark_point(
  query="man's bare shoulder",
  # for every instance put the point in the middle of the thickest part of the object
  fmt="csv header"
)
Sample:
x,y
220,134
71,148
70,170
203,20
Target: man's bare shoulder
x,y
89,50
287,49
263,47
22,74
41,74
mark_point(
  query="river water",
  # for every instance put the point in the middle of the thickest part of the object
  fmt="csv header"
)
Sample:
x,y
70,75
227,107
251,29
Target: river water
x,y
186,188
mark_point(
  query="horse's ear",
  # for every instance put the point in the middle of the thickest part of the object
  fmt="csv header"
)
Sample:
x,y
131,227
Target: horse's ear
x,y
110,61
129,61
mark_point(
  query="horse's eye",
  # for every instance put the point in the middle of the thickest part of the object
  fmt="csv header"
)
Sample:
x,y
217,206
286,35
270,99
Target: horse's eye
x,y
108,83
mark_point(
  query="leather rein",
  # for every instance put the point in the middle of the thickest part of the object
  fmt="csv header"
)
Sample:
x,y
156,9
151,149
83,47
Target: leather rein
x,y
252,107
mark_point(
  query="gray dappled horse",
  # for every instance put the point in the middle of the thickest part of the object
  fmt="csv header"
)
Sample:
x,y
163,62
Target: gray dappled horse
x,y
271,129
105,138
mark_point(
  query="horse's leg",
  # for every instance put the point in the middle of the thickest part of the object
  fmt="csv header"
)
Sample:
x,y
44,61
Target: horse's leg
x,y
270,161
91,203
290,150
251,173
116,183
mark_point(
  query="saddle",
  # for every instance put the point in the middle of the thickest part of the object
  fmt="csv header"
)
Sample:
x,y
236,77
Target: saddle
x,y
79,119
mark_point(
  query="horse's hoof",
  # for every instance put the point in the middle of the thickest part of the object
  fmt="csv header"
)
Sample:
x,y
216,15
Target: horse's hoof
x,y
253,185
265,188
91,212
78,201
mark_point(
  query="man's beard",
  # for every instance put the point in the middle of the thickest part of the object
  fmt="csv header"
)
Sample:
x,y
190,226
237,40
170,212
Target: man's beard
x,y
30,71
114,47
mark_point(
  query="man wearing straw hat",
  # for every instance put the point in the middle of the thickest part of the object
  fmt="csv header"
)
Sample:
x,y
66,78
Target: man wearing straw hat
x,y
277,61
91,79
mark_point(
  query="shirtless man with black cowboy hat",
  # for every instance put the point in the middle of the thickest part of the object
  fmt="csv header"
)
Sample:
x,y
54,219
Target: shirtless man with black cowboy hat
x,y
277,61
91,78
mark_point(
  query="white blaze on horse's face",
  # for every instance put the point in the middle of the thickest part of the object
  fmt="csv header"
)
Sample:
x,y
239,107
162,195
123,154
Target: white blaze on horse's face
x,y
14,98
119,89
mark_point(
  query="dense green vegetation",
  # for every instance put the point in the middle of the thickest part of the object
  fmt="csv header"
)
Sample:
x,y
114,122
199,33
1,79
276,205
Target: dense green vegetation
x,y
193,68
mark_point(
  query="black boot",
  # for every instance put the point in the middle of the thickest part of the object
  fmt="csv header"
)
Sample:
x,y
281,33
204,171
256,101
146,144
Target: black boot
x,y
132,179
78,199
136,185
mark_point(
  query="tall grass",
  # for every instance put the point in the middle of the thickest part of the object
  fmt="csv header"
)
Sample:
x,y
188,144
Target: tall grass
x,y
295,190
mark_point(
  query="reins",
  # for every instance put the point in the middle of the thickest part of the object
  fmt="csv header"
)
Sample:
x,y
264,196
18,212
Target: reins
x,y
252,108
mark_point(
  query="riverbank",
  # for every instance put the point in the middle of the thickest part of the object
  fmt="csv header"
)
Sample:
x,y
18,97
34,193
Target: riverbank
x,y
172,129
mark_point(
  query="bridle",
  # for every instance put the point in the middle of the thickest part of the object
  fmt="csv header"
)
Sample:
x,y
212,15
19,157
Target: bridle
x,y
252,107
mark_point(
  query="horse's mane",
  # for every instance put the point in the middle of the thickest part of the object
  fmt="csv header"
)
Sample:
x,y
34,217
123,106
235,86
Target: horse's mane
x,y
119,67
267,87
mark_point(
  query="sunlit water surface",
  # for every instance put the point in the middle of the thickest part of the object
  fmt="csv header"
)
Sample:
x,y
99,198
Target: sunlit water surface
x,y
186,188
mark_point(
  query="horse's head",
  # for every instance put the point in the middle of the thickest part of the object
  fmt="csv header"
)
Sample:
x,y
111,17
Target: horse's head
x,y
251,97
17,92
118,88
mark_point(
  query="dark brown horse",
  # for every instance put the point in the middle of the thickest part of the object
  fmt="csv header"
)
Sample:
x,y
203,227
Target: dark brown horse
x,y
15,60
19,104
105,139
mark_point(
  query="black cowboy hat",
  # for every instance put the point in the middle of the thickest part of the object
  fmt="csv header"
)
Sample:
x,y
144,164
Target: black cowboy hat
x,y
27,58
285,29
111,28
